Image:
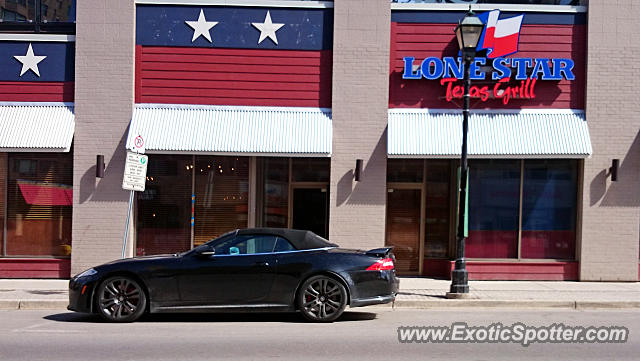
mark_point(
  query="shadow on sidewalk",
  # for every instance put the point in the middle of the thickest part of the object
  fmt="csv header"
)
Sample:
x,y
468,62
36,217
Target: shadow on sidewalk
x,y
401,293
210,317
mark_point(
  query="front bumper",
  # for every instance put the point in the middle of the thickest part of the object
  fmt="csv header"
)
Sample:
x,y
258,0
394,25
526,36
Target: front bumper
x,y
80,294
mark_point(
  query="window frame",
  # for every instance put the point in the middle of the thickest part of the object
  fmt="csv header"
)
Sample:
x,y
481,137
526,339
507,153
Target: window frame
x,y
37,25
455,163
578,217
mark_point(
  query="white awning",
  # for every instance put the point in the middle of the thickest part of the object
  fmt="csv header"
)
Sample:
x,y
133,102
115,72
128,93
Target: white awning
x,y
530,133
236,130
36,127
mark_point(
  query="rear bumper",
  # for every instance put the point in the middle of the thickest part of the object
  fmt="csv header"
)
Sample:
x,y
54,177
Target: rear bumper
x,y
373,287
372,301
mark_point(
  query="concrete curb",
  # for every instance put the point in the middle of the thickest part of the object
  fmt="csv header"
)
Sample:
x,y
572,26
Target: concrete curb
x,y
458,303
33,304
9,304
43,304
528,304
604,304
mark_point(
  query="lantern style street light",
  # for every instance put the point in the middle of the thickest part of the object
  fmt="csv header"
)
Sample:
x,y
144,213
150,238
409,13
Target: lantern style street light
x,y
468,33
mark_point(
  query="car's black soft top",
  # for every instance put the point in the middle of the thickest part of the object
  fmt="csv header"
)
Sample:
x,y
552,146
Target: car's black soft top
x,y
300,239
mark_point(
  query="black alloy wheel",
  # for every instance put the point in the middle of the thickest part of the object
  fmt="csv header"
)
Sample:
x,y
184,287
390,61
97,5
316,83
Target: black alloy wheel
x,y
121,299
322,299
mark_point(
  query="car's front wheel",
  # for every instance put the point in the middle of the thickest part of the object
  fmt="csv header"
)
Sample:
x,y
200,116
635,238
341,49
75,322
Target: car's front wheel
x,y
322,299
121,299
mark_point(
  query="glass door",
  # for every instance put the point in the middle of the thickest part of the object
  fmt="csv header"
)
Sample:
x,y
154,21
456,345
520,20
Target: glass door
x,y
437,209
310,210
403,228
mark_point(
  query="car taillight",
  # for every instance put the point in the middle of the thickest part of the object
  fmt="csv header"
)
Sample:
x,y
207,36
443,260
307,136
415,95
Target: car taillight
x,y
381,265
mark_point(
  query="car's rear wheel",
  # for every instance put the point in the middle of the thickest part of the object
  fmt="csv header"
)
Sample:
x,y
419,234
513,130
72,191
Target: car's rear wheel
x,y
322,299
121,299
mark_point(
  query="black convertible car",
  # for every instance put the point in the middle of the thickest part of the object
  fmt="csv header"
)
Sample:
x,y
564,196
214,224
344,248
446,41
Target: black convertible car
x,y
262,269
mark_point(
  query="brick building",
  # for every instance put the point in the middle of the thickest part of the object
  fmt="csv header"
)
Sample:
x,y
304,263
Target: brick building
x,y
254,113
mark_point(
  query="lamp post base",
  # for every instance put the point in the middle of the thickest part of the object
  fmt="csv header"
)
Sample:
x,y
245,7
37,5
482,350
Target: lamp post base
x,y
460,296
459,278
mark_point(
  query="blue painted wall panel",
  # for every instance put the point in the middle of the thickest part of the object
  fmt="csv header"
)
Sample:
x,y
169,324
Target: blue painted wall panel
x,y
57,66
304,29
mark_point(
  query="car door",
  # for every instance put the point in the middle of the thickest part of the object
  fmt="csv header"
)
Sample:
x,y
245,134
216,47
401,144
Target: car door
x,y
240,272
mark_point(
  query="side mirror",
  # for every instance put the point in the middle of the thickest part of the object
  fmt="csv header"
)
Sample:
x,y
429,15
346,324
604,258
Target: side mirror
x,y
206,252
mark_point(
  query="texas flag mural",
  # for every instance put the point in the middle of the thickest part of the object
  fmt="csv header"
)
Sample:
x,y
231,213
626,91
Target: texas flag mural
x,y
234,55
36,70
500,36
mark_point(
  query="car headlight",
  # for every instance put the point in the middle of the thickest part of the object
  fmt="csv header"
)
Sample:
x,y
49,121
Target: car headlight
x,y
89,272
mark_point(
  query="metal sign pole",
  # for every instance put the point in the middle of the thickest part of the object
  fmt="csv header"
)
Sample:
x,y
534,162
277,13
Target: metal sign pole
x,y
135,170
126,226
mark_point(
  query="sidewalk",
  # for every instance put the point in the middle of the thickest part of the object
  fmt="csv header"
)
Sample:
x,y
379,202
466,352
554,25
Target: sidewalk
x,y
414,293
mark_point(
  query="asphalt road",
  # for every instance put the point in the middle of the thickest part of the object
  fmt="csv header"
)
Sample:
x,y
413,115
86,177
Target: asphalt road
x,y
362,334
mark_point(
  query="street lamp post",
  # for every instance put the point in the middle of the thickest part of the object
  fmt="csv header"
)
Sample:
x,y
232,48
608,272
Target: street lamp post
x,y
468,33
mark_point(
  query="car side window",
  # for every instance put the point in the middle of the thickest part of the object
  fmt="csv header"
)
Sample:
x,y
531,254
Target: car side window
x,y
247,244
282,245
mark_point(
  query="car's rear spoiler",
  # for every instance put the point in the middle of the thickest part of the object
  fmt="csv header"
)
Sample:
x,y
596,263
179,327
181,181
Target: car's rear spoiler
x,y
380,252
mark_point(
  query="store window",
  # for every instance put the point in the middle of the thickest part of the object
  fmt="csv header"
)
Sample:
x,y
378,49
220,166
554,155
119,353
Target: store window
x,y
39,204
310,169
3,191
294,193
544,193
55,16
164,208
494,197
276,192
405,170
437,209
523,2
190,200
549,209
221,196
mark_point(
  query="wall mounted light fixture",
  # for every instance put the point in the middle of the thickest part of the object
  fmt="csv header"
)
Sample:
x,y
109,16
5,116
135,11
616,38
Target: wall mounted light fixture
x,y
358,172
615,164
100,166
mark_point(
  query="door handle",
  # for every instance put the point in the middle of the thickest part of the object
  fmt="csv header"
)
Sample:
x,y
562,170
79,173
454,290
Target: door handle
x,y
262,264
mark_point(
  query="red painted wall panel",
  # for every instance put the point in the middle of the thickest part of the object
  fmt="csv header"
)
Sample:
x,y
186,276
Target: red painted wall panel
x,y
35,267
233,76
505,270
437,40
12,91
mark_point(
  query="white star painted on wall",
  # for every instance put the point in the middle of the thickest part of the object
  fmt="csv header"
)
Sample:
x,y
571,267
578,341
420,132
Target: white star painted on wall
x,y
267,29
201,27
30,61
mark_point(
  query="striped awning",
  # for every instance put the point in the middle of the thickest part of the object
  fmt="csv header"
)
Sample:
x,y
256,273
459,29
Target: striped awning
x,y
36,127
530,133
232,130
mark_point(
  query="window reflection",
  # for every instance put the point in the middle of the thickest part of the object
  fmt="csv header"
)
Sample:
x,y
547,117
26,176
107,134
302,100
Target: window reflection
x,y
524,2
39,204
164,208
221,196
276,192
549,209
494,197
38,11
